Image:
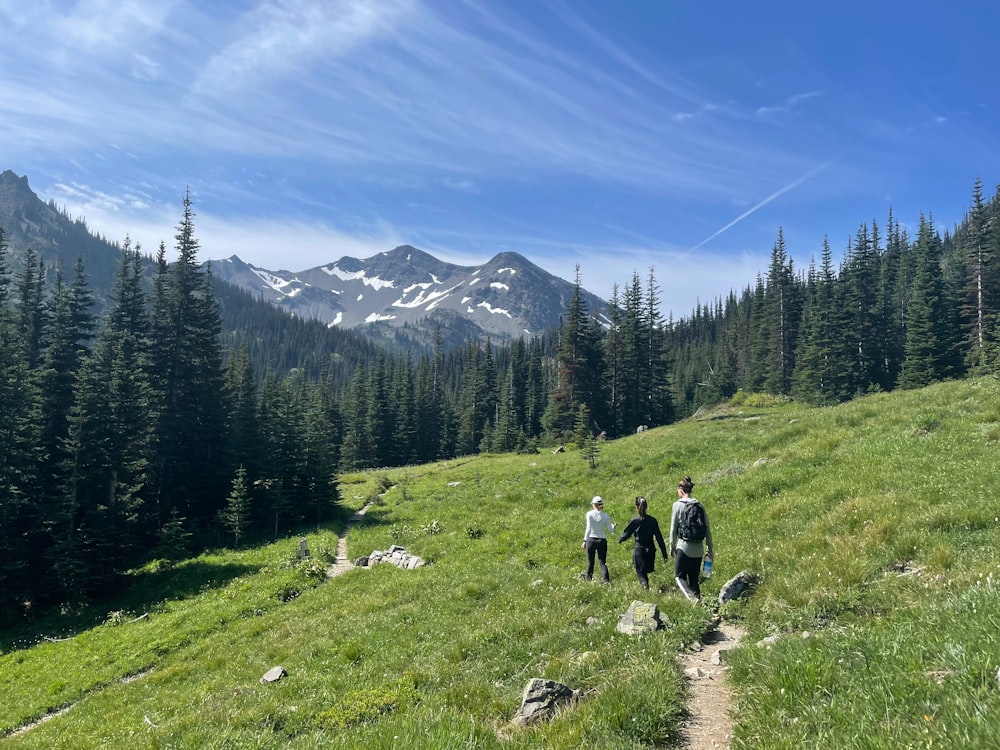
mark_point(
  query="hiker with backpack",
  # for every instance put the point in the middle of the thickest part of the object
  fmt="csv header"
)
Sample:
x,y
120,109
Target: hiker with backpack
x,y
690,540
646,530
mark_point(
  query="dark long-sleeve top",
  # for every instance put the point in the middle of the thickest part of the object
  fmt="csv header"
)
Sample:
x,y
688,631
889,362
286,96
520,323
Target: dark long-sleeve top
x,y
646,530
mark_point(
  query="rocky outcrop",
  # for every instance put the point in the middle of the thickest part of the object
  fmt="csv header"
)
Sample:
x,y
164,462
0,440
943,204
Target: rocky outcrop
x,y
541,699
641,617
395,555
740,585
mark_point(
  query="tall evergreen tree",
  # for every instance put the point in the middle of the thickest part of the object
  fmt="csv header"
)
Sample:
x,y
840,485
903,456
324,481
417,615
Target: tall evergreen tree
x,y
512,429
191,474
926,348
659,403
977,308
18,459
860,280
357,447
404,413
104,524
242,424
818,376
479,401
68,326
782,309
237,516
758,337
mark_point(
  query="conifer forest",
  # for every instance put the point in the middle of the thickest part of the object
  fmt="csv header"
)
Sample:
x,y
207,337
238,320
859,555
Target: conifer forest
x,y
148,432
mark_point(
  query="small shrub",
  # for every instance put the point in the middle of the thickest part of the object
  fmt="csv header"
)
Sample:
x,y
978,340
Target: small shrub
x,y
312,569
761,400
116,618
475,532
366,704
400,532
925,424
327,554
434,527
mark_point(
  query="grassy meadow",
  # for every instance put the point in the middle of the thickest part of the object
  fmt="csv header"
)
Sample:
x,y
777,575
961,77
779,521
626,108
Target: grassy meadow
x,y
874,528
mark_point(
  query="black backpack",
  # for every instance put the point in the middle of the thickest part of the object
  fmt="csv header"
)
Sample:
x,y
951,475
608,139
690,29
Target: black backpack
x,y
692,524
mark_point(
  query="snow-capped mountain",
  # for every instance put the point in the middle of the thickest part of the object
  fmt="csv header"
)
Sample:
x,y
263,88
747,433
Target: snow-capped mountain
x,y
504,298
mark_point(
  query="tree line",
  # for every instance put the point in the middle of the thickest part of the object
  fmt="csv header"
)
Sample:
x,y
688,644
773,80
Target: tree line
x,y
899,311
148,433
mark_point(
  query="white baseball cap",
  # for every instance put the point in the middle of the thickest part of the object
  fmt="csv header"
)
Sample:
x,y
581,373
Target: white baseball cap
x,y
597,500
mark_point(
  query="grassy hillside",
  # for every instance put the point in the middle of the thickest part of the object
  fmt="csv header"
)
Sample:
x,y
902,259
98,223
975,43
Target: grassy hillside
x,y
873,525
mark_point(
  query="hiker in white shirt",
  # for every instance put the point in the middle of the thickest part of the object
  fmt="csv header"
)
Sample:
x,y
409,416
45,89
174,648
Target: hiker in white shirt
x,y
595,538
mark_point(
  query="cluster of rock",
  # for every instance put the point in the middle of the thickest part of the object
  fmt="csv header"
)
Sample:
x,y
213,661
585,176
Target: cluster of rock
x,y
395,555
542,698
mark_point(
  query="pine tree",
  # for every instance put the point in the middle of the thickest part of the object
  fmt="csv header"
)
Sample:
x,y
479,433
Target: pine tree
x,y
356,451
580,367
68,325
782,310
926,347
759,336
105,522
512,428
18,583
404,413
862,305
478,400
585,441
242,423
976,309
659,403
237,516
819,370
191,473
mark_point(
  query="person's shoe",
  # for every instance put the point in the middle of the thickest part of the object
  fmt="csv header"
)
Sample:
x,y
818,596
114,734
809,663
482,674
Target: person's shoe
x,y
685,589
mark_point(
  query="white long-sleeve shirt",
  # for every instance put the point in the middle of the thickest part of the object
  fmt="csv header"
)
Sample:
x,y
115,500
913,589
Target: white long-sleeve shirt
x,y
599,525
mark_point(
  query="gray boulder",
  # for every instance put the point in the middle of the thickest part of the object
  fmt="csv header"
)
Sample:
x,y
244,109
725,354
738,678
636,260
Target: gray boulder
x,y
395,555
274,674
740,585
640,617
541,699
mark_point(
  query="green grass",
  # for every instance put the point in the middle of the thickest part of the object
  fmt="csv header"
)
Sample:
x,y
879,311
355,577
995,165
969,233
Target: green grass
x,y
873,526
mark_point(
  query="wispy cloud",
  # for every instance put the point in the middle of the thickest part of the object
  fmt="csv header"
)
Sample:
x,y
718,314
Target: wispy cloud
x,y
773,196
788,106
283,37
572,131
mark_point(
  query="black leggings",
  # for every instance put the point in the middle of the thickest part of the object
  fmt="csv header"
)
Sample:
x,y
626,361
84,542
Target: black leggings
x,y
688,569
597,547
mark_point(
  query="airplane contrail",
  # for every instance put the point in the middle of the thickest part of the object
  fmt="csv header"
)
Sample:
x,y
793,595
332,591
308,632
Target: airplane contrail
x,y
776,194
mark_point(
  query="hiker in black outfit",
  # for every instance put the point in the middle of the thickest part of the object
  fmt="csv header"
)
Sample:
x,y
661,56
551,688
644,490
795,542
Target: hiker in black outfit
x,y
646,530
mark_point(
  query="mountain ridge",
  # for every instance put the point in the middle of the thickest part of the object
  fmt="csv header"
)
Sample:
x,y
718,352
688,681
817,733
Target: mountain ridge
x,y
400,294
506,297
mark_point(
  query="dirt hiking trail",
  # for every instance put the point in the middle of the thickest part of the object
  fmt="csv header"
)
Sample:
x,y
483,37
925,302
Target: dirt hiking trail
x,y
709,724
342,565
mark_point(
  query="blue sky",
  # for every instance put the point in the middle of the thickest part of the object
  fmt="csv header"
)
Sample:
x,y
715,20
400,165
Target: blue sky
x,y
617,136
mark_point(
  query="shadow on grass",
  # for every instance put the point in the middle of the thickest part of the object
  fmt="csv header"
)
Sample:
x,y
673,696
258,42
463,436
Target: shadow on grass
x,y
139,593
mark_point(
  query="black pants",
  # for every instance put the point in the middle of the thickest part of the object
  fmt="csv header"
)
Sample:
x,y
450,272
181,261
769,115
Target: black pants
x,y
644,560
688,569
597,547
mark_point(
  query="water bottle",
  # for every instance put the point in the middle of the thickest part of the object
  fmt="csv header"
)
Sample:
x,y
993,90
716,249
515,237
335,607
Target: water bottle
x,y
707,567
